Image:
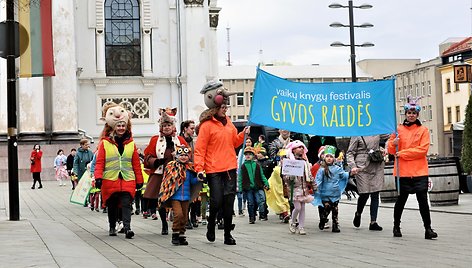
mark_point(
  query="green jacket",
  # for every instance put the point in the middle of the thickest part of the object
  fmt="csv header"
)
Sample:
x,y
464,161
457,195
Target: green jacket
x,y
251,176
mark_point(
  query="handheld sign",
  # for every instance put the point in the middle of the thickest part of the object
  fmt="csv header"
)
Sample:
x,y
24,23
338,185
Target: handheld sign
x,y
293,167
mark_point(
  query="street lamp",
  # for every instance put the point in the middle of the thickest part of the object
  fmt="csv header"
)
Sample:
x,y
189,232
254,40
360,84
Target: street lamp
x,y
351,26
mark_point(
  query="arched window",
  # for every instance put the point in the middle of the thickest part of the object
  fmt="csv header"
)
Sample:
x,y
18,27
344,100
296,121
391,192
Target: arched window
x,y
122,38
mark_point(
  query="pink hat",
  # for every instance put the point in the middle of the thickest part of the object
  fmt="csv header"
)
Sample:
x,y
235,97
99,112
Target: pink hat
x,y
295,144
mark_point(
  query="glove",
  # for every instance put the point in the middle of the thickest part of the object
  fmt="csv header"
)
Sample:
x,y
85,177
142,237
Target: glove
x,y
98,183
139,186
158,162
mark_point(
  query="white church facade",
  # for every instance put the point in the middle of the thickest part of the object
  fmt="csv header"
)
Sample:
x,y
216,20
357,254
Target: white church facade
x,y
145,54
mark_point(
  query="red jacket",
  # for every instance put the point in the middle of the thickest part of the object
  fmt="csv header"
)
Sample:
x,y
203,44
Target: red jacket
x,y
109,187
214,150
36,157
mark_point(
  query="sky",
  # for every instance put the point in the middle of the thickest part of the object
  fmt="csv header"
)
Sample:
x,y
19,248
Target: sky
x,y
297,31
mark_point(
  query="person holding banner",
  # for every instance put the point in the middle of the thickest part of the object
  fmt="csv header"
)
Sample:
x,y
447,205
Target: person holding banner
x,y
118,170
215,155
410,148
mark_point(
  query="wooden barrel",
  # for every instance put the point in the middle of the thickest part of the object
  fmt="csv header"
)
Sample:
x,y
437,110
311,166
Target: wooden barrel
x,y
445,177
389,193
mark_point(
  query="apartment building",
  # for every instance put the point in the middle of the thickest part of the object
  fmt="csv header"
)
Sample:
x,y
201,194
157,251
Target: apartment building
x,y
455,95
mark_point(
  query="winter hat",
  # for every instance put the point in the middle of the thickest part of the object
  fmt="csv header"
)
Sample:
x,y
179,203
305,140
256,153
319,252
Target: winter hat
x,y
263,151
249,150
167,116
320,151
295,144
329,149
215,94
412,104
182,150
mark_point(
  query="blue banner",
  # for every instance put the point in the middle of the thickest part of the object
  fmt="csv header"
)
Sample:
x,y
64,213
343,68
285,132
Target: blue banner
x,y
325,109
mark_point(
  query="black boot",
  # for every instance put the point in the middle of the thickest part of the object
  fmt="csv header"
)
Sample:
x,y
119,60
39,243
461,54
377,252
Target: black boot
x,y
175,239
396,231
165,228
129,234
183,240
112,231
211,231
357,220
335,228
430,234
229,240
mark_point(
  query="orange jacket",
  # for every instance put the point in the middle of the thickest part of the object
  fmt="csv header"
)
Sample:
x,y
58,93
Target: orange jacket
x,y
214,150
412,147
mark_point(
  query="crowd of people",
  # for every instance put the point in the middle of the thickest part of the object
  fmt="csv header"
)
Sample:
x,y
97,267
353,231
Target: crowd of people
x,y
181,176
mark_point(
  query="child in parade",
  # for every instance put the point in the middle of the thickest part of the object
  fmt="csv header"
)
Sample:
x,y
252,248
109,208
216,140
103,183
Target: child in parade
x,y
179,186
60,163
253,182
300,187
331,180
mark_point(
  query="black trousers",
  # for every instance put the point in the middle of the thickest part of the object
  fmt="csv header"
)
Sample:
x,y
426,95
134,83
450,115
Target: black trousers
x,y
222,193
418,186
124,199
37,178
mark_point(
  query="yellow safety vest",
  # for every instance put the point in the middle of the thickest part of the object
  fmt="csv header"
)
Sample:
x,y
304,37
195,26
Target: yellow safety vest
x,y
116,163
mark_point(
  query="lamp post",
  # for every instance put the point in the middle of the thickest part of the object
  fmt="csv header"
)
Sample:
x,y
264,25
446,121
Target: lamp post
x,y
351,26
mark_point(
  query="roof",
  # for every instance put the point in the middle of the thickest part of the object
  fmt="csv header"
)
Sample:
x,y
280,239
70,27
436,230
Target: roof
x,y
291,71
464,45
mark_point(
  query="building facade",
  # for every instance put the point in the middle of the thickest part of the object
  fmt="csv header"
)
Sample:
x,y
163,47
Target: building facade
x,y
144,54
424,80
455,95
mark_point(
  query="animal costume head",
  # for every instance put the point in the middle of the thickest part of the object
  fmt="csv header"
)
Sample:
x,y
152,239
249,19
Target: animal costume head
x,y
295,144
412,104
182,150
215,94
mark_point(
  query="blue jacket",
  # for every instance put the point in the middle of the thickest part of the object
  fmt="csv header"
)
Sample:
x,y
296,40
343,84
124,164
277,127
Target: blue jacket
x,y
331,188
183,192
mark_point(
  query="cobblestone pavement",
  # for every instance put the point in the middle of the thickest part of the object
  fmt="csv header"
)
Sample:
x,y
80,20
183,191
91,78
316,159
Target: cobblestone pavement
x,y
55,233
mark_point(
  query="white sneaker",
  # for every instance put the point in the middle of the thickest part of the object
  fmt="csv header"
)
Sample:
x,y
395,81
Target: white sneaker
x,y
292,227
301,231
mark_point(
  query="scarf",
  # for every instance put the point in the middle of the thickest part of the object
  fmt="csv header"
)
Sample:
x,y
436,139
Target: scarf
x,y
174,177
222,119
161,146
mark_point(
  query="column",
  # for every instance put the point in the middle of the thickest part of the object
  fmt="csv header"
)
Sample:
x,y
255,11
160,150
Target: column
x,y
64,84
147,67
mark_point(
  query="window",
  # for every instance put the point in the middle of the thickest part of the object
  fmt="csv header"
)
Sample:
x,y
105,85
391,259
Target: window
x,y
416,90
430,90
122,38
422,89
431,137
448,85
250,97
456,87
430,110
240,117
458,113
449,115
240,99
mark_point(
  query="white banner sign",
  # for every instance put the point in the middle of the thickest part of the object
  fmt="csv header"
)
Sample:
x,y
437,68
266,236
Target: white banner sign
x,y
293,167
81,192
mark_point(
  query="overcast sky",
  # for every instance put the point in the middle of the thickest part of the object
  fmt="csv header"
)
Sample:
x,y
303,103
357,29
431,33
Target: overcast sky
x,y
298,32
